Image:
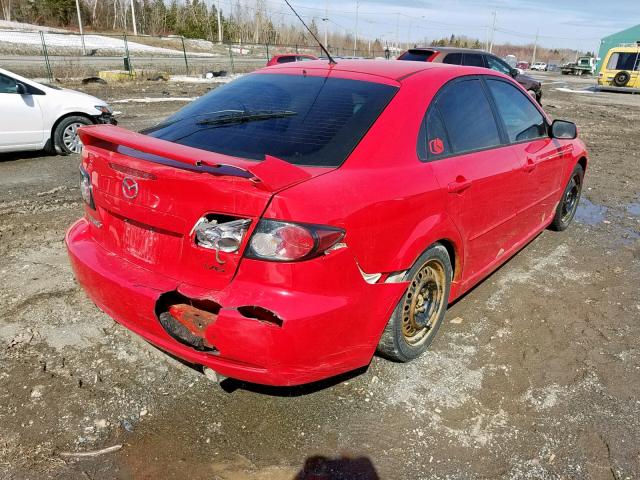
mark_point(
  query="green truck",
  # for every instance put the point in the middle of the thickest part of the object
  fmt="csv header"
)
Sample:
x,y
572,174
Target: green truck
x,y
582,66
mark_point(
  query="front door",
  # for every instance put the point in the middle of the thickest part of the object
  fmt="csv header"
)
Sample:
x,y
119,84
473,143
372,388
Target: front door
x,y
21,124
539,158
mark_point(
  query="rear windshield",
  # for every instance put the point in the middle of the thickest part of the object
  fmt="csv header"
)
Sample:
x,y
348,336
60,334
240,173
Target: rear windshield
x,y
416,55
305,120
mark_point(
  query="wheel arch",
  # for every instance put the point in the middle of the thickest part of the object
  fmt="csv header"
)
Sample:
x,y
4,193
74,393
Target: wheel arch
x,y
582,161
452,250
61,118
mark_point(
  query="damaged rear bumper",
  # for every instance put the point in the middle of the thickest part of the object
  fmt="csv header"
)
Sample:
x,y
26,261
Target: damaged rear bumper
x,y
325,319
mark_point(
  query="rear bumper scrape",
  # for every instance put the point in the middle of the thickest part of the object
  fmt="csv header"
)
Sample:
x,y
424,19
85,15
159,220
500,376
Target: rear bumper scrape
x,y
276,324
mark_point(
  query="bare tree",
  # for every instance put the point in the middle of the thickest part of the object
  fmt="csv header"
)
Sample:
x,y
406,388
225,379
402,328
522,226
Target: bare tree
x,y
6,9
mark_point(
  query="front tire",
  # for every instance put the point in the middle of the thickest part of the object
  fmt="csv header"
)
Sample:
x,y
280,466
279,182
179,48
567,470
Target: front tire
x,y
417,317
65,136
566,209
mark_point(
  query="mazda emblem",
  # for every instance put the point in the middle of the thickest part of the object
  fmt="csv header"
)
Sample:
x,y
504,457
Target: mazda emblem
x,y
129,188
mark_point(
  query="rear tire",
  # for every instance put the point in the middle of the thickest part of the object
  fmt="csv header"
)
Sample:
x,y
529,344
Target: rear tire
x,y
65,136
417,318
566,209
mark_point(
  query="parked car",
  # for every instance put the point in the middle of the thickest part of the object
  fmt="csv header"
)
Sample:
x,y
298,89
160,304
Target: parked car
x,y
553,67
34,116
474,58
540,66
620,69
289,58
523,65
511,60
285,226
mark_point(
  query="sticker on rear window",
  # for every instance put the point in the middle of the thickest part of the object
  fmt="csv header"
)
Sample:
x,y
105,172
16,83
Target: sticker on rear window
x,y
436,146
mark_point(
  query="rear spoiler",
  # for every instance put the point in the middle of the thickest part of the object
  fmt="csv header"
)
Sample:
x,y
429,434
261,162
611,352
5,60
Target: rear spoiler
x,y
271,174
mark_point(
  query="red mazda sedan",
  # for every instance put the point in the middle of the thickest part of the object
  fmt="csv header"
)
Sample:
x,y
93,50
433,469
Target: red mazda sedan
x,y
284,227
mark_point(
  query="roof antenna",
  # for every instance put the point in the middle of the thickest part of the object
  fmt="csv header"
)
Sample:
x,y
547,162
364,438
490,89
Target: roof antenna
x,y
331,60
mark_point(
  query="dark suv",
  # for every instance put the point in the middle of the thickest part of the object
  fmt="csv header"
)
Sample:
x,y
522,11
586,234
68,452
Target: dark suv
x,y
473,58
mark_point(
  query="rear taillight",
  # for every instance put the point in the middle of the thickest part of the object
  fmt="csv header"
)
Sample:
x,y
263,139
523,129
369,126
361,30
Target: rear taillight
x,y
288,242
218,234
85,188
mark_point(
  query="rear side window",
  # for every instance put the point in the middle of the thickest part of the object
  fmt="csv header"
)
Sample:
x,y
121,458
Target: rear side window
x,y
286,59
521,118
467,116
416,55
473,60
437,142
624,61
304,120
453,59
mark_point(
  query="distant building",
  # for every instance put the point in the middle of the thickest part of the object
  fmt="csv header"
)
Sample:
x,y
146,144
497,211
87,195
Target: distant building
x,y
630,35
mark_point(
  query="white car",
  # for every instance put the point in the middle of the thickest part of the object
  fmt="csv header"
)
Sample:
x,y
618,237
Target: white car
x,y
35,116
540,66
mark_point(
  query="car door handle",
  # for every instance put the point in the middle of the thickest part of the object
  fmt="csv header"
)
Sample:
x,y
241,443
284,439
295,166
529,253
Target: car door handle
x,y
530,166
459,186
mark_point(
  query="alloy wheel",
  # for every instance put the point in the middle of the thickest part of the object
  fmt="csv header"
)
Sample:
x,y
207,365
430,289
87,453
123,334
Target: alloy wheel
x,y
71,139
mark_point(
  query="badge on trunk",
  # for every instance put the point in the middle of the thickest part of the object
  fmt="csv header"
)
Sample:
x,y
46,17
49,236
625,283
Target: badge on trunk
x,y
129,188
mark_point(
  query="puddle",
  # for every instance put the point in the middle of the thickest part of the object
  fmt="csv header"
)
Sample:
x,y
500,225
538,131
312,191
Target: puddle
x,y
589,213
633,208
629,236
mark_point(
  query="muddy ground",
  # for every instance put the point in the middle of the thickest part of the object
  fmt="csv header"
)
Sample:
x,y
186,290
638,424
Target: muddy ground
x,y
536,373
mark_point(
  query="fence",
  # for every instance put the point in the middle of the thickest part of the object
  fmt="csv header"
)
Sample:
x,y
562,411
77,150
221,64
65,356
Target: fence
x,y
67,55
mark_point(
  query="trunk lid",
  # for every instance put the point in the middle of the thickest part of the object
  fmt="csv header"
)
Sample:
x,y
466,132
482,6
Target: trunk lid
x,y
150,193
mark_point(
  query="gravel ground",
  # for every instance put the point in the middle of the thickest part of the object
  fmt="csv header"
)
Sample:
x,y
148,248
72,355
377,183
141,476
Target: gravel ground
x,y
535,375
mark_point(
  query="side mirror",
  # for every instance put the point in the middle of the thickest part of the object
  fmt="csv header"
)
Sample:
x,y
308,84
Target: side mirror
x,y
21,89
514,72
564,130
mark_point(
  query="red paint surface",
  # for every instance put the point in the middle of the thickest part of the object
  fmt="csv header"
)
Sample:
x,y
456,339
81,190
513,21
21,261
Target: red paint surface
x,y
485,205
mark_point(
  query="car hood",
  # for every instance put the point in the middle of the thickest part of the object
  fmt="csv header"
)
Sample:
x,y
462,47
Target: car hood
x,y
527,81
76,97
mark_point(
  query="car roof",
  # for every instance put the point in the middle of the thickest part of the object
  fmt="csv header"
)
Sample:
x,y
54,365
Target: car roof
x,y
452,49
293,55
389,69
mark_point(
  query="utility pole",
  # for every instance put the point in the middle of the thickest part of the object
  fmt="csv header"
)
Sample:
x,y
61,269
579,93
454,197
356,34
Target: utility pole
x,y
219,23
493,28
535,47
84,50
397,30
355,39
326,23
133,18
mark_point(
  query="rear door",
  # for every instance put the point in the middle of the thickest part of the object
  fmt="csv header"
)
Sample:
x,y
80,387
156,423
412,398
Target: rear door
x,y
539,157
454,58
463,142
473,60
21,124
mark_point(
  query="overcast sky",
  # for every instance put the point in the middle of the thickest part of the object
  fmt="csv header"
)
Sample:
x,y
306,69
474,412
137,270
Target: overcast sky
x,y
561,23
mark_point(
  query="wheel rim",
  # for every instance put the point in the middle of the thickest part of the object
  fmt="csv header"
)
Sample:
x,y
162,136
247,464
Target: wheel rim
x,y
71,139
423,303
571,198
